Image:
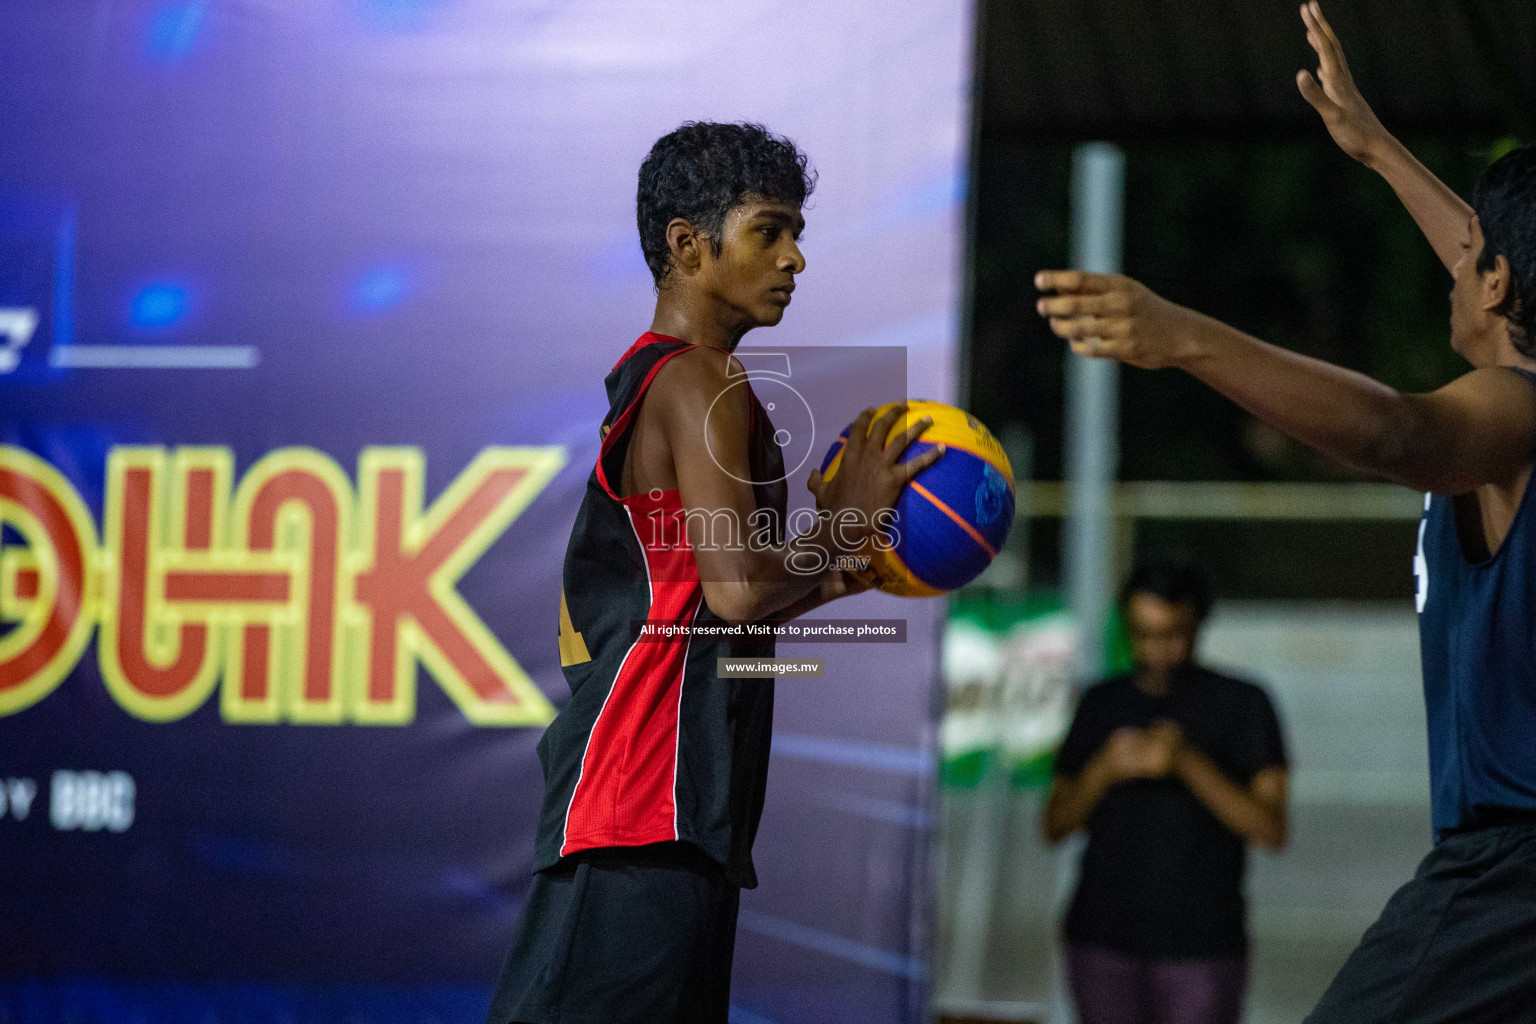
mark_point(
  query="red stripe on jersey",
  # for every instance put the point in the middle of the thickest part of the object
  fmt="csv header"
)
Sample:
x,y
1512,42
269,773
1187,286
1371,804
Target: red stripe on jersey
x,y
648,338
625,795
621,423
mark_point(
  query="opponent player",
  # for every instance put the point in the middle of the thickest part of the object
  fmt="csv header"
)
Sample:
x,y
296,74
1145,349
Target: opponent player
x,y
1458,942
655,770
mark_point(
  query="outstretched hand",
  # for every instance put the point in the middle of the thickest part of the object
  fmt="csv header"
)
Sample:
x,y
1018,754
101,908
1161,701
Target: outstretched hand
x,y
1110,316
1333,93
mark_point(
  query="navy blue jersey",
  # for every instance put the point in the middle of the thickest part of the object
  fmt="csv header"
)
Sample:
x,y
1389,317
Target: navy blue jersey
x,y
1477,635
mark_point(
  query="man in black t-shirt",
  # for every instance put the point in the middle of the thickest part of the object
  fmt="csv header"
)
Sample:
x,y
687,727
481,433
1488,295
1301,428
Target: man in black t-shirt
x,y
1172,770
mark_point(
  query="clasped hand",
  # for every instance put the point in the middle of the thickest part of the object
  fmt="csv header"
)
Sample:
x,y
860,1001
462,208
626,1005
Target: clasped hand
x,y
1149,753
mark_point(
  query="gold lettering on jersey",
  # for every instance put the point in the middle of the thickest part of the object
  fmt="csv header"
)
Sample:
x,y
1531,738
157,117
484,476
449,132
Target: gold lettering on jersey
x,y
573,647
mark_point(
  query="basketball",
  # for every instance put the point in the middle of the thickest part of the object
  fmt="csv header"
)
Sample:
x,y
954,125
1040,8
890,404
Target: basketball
x,y
954,516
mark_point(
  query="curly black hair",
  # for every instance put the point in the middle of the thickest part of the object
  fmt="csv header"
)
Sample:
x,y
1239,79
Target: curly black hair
x,y
1505,203
702,170
1173,577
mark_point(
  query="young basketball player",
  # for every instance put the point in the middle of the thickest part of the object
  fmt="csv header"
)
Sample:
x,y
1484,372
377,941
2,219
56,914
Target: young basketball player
x,y
655,770
1458,942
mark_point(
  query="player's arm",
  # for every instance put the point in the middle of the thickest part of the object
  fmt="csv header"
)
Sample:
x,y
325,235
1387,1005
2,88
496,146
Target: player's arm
x,y
1476,430
1441,214
1255,812
833,586
705,420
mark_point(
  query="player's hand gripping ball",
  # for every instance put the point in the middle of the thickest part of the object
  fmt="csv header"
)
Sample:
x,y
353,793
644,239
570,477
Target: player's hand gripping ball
x,y
952,519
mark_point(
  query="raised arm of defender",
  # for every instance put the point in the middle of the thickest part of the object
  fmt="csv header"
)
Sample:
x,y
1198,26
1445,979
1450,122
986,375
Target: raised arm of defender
x,y
1476,430
1441,214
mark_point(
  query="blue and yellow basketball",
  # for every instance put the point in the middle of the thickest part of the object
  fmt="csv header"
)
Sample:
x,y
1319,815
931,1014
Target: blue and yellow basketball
x,y
952,519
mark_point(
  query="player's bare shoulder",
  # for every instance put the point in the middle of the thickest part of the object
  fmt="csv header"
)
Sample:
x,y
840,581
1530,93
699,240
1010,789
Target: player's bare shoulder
x,y
1478,430
1503,384
695,387
1499,404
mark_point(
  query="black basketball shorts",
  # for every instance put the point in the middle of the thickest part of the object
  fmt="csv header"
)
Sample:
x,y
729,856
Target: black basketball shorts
x,y
639,934
1456,944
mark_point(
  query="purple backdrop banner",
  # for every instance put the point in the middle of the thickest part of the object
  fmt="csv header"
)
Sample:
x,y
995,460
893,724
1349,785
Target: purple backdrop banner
x,y
304,313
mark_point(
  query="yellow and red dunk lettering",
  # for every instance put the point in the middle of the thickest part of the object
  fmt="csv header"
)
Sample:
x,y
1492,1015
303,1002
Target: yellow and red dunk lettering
x,y
298,598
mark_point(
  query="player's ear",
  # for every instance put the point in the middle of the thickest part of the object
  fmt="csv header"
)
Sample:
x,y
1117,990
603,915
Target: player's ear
x,y
1497,290
686,244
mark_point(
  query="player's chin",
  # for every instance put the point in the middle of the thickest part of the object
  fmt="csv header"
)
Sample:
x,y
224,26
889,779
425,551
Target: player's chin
x,y
771,312
1461,344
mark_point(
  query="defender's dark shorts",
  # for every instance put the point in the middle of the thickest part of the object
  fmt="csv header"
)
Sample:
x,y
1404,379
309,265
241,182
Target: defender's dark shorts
x,y
642,934
1456,944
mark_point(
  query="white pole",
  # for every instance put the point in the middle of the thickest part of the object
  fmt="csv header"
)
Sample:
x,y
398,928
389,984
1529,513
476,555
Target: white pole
x,y
1092,458
1093,420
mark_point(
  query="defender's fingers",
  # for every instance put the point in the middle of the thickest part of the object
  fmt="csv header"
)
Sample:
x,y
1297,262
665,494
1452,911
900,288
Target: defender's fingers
x,y
1096,348
1331,51
1318,39
1312,92
1083,305
1314,34
1073,281
904,440
1334,46
1061,326
1087,327
918,463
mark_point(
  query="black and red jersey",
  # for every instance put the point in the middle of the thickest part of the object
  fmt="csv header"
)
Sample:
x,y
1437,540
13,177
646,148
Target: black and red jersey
x,y
653,746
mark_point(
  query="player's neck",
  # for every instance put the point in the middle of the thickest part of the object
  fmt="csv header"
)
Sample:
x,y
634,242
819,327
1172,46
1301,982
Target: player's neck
x,y
698,319
1510,356
1495,346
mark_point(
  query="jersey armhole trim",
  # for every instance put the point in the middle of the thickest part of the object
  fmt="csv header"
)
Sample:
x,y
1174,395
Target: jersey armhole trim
x,y
621,424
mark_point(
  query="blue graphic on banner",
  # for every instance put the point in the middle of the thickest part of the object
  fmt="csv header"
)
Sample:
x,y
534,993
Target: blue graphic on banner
x,y
163,304
304,315
379,289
